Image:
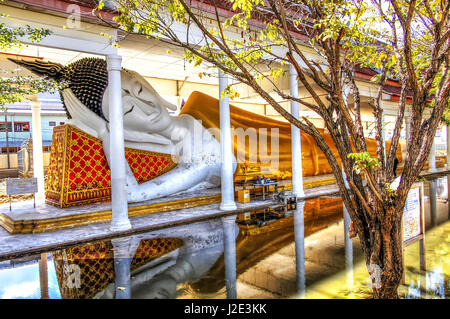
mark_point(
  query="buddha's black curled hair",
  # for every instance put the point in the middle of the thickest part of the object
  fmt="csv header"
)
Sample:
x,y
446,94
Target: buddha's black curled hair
x,y
87,77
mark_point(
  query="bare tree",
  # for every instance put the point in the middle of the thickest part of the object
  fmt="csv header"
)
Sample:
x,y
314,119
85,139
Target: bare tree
x,y
407,41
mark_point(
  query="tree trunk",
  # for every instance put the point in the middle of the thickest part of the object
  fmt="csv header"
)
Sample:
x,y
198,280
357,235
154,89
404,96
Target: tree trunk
x,y
385,263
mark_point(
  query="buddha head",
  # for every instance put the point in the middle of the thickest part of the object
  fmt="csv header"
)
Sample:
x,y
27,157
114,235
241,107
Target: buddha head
x,y
144,109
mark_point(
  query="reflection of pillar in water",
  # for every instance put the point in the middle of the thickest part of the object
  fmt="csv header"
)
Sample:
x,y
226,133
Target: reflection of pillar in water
x,y
229,242
435,283
348,248
413,291
122,262
348,241
422,254
433,185
43,276
433,202
299,231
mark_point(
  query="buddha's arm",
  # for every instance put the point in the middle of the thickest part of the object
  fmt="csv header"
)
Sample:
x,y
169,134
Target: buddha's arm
x,y
181,178
198,167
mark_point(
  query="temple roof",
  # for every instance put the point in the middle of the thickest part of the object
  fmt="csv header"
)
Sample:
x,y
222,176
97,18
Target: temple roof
x,y
261,16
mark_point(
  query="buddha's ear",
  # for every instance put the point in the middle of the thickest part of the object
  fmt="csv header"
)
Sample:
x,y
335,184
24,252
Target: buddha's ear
x,y
42,68
169,105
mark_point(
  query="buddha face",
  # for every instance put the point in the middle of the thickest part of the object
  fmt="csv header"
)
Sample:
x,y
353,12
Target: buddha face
x,y
144,110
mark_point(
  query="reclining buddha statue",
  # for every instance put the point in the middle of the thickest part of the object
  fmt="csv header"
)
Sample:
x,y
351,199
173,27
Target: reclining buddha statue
x,y
191,137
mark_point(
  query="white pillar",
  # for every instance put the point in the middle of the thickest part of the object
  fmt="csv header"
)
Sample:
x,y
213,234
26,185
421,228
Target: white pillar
x,y
299,232
229,252
407,129
432,157
119,202
38,157
227,182
296,142
383,135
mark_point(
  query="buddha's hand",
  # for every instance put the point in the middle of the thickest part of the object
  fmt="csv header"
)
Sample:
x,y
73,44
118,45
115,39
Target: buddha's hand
x,y
141,192
82,113
132,183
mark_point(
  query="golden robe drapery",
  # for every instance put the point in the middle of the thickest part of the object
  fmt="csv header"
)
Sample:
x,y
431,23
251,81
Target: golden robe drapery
x,y
206,109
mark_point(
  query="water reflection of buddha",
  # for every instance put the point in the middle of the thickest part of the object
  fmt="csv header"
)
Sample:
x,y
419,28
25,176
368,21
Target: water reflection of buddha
x,y
187,259
202,247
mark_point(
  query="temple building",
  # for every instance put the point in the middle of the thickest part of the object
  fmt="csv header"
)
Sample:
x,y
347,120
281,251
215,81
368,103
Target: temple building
x,y
144,168
77,38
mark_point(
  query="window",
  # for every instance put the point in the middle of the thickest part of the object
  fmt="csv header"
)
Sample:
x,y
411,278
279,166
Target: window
x,y
11,150
52,123
3,126
21,126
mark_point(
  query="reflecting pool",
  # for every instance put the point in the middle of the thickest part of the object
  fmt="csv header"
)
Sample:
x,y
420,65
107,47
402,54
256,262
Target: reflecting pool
x,y
297,255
